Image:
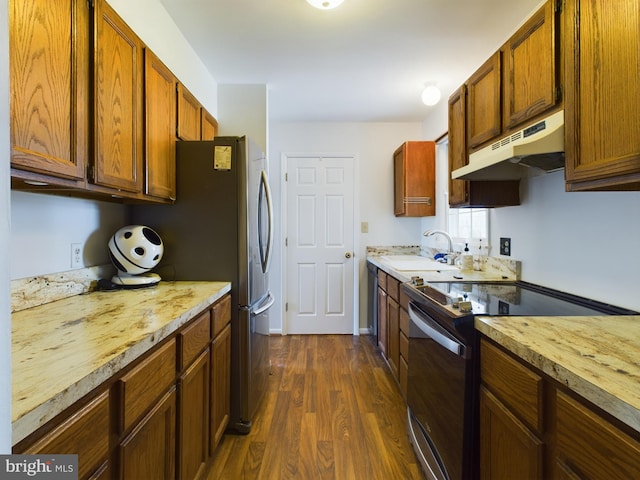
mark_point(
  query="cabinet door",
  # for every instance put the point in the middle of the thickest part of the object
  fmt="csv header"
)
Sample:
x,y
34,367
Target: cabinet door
x,y
220,385
590,446
393,326
414,179
118,75
507,448
49,79
193,424
209,125
160,128
484,111
85,433
530,68
382,321
188,115
458,189
150,450
602,101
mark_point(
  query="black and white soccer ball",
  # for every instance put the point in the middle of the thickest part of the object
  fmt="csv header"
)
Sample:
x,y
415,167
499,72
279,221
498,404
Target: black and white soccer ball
x,y
135,249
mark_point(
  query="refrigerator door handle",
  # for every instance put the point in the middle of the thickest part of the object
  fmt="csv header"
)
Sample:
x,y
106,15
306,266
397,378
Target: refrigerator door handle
x,y
270,301
266,257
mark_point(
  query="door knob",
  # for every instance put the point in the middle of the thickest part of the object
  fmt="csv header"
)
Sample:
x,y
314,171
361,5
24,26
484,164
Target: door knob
x,y
347,255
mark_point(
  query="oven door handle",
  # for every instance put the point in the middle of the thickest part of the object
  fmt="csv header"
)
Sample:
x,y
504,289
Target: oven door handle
x,y
431,328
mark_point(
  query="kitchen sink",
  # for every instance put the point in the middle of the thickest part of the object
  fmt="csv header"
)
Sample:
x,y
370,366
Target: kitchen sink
x,y
415,263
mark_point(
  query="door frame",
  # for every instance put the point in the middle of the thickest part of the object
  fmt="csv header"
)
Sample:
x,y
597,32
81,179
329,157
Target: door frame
x,y
284,157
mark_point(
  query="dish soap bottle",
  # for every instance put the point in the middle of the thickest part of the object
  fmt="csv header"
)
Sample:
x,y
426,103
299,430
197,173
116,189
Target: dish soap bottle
x,y
466,265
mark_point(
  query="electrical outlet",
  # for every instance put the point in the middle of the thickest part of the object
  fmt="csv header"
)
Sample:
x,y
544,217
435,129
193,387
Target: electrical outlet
x,y
505,246
364,227
76,255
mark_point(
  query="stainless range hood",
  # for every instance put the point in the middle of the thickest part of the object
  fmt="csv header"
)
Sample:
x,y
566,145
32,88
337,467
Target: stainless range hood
x,y
534,150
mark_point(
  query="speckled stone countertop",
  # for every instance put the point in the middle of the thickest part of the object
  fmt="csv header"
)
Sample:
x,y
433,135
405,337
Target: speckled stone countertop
x,y
64,349
596,357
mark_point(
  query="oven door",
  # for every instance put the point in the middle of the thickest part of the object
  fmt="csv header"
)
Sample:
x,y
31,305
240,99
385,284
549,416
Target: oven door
x,y
438,397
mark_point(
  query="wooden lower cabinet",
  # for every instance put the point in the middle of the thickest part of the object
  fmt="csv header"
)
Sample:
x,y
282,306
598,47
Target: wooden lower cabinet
x,y
220,385
508,449
85,433
160,418
193,418
393,348
149,450
591,447
531,427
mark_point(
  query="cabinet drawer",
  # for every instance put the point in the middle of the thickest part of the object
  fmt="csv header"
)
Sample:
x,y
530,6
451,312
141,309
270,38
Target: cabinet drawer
x,y
221,314
404,343
393,288
146,382
382,279
85,433
590,446
404,321
194,338
513,384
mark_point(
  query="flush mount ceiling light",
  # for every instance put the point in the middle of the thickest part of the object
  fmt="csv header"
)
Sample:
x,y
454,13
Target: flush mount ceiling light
x,y
431,94
325,4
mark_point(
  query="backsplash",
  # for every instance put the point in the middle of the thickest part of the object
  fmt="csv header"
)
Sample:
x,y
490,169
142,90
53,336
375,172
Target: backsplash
x,y
38,290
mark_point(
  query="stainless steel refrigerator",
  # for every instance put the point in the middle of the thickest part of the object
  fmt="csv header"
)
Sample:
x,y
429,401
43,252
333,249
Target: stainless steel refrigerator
x,y
221,228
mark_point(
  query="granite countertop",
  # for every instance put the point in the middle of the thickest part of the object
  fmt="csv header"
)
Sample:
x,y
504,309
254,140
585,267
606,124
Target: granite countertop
x,y
596,357
64,349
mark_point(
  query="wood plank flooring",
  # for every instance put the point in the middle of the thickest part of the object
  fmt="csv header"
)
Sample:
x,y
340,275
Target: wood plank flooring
x,y
332,411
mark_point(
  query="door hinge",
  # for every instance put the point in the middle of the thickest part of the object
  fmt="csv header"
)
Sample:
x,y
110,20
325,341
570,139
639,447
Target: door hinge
x,y
558,6
91,3
90,170
558,93
286,177
286,242
286,307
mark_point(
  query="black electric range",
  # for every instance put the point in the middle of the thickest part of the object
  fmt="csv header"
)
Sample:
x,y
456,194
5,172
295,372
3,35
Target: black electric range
x,y
515,298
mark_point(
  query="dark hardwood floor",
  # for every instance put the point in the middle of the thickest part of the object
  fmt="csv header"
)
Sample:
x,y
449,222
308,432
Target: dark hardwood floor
x,y
332,411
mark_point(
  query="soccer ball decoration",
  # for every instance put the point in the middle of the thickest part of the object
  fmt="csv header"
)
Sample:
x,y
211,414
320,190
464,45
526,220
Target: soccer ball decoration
x,y
134,250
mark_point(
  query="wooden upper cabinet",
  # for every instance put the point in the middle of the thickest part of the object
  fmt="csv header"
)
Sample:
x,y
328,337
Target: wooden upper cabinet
x,y
188,115
458,189
484,111
530,68
602,95
414,179
160,128
49,83
209,126
118,77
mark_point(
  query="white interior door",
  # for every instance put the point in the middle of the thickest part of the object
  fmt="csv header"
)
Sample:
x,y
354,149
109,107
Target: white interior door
x,y
320,243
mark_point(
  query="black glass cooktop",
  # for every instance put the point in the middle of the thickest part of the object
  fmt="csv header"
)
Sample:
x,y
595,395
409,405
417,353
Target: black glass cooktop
x,y
521,298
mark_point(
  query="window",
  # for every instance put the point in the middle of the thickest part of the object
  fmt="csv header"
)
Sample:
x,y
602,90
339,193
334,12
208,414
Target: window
x,y
465,225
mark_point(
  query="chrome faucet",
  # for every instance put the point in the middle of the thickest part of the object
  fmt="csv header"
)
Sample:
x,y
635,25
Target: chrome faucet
x,y
450,253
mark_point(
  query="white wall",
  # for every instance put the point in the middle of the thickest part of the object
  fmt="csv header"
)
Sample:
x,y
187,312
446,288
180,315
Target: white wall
x,y
44,226
373,144
585,243
5,226
243,110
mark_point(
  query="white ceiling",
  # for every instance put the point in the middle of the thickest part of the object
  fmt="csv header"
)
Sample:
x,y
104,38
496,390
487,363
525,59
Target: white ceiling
x,y
367,60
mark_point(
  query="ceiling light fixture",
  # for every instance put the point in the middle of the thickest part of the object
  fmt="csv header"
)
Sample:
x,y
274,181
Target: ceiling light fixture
x,y
431,94
325,4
